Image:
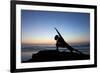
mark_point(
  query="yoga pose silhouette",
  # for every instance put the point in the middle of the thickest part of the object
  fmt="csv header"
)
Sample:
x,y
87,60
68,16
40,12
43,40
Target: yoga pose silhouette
x,y
60,42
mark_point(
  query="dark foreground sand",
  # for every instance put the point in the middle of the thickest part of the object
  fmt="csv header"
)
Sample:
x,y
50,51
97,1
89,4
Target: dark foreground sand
x,y
53,55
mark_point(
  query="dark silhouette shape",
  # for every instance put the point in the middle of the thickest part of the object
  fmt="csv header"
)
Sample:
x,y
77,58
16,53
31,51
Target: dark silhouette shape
x,y
54,55
61,43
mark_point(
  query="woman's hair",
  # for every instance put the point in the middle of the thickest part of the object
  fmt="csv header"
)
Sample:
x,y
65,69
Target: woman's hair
x,y
56,37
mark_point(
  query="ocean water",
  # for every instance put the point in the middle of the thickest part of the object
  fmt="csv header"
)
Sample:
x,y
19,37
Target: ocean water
x,y
28,50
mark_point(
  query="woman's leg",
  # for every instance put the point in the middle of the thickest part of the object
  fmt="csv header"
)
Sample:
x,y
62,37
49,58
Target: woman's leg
x,y
57,47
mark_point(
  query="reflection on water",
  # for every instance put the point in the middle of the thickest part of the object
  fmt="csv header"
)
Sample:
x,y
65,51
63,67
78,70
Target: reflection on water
x,y
28,50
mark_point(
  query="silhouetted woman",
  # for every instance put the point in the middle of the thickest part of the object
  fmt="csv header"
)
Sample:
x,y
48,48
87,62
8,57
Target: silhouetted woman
x,y
60,42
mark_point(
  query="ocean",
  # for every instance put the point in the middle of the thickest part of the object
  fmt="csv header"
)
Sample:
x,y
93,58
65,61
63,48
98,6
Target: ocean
x,y
28,50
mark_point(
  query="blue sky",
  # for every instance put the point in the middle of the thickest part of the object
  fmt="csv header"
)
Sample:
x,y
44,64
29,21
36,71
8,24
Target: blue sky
x,y
38,26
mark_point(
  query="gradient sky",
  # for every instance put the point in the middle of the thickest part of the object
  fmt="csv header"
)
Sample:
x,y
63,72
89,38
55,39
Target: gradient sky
x,y
38,26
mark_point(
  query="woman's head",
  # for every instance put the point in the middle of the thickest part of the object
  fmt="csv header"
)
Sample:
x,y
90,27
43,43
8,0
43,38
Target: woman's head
x,y
56,37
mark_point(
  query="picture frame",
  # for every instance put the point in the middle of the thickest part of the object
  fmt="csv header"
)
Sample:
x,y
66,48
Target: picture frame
x,y
22,11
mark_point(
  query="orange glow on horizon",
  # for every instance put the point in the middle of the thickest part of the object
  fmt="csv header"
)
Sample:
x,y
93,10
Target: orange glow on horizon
x,y
38,41
49,41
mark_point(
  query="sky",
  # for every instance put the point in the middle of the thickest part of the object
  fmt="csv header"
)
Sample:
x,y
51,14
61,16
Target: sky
x,y
38,26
